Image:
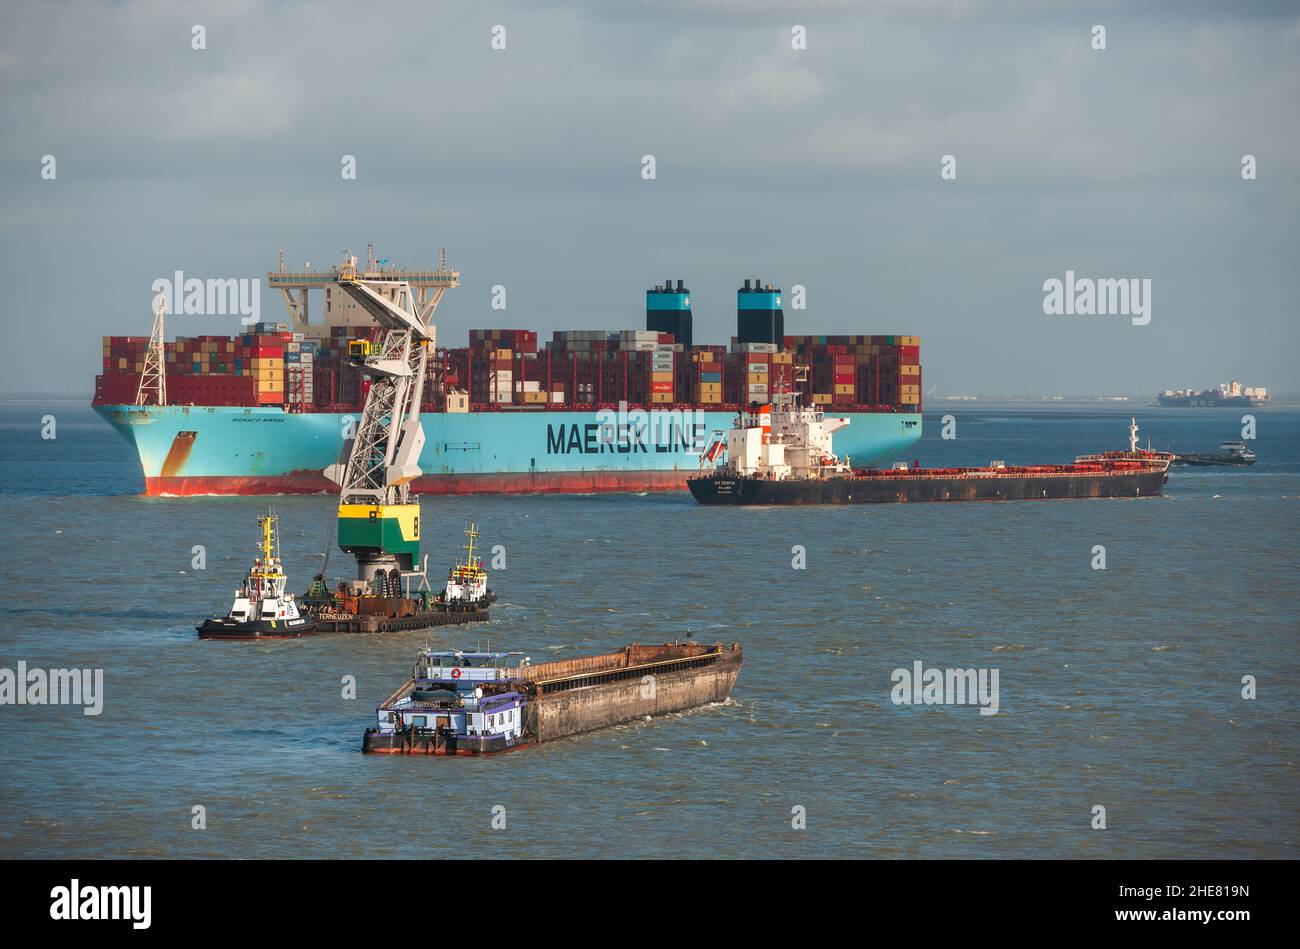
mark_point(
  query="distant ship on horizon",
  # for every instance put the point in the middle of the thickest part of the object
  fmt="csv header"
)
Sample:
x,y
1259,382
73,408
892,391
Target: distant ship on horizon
x,y
1226,394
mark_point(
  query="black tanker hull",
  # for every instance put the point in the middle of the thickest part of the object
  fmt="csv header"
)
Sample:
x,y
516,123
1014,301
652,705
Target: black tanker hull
x,y
732,490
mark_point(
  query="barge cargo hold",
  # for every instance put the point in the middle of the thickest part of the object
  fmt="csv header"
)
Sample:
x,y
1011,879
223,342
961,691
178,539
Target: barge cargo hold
x,y
459,703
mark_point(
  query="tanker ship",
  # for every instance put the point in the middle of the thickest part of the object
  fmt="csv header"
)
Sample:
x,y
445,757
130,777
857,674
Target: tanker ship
x,y
781,454
267,411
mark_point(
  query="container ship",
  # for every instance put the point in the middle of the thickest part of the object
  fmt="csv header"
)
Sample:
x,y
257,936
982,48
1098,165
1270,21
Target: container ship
x,y
265,412
1225,395
483,703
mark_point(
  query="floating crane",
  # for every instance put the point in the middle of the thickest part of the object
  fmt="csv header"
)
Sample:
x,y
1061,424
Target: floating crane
x,y
379,520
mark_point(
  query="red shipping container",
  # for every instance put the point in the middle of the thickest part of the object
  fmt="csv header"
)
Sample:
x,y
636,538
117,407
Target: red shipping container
x,y
661,387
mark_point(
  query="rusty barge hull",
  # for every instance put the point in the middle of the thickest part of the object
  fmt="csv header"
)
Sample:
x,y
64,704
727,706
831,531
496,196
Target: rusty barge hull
x,y
573,696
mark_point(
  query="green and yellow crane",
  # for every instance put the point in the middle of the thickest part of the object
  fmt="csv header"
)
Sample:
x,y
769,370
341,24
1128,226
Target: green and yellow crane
x,y
379,519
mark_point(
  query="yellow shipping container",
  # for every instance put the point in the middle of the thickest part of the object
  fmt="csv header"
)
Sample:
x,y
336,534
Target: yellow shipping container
x,y
909,341
844,390
710,388
910,370
661,377
821,398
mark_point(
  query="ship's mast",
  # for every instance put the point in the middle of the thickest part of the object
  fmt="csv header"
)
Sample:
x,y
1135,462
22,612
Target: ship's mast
x,y
154,377
1132,434
472,533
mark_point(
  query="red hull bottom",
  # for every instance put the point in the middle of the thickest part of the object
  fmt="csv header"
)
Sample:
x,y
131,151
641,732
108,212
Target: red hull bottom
x,y
551,482
442,752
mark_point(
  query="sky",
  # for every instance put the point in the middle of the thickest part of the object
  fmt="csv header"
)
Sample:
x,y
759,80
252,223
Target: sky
x,y
818,167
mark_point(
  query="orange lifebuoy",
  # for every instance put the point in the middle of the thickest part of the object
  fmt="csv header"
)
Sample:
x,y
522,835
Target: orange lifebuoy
x,y
455,673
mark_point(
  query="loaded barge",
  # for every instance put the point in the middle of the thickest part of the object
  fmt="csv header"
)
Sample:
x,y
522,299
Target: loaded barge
x,y
782,455
1229,453
481,703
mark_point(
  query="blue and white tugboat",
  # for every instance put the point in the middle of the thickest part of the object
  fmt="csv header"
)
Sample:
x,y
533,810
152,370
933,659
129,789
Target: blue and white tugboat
x,y
455,703
262,609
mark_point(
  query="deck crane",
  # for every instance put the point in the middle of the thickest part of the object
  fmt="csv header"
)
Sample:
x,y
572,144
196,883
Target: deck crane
x,y
379,520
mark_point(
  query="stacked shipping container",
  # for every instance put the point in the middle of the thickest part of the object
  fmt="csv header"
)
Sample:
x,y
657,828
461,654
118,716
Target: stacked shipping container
x,y
504,368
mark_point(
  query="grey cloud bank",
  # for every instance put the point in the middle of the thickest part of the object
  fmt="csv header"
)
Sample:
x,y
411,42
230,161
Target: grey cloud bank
x,y
818,167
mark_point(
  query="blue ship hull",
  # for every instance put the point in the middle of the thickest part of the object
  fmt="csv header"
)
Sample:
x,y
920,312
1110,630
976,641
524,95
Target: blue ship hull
x,y
186,450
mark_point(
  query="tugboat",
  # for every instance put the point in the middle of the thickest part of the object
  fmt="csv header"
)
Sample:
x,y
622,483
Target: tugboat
x,y
483,703
262,609
1229,453
781,454
467,589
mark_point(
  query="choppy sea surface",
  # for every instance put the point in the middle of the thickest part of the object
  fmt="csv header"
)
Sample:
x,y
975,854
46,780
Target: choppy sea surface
x,y
1119,687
